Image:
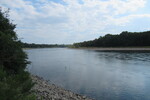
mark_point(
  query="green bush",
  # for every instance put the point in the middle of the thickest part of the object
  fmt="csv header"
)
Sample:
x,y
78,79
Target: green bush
x,y
15,87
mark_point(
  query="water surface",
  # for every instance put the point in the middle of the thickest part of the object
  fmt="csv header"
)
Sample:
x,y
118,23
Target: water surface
x,y
121,75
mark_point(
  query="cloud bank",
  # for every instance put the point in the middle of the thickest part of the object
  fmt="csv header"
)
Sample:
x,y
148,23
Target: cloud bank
x,y
69,21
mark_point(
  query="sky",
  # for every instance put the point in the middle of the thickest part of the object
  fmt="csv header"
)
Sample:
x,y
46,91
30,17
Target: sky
x,y
70,21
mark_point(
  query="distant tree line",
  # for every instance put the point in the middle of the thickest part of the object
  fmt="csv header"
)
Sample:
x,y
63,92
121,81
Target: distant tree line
x,y
124,39
32,45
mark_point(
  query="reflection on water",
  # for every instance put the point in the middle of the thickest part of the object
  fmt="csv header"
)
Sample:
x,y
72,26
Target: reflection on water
x,y
127,55
100,75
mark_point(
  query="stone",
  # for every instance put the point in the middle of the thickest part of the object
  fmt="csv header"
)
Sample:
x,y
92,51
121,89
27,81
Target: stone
x,y
52,92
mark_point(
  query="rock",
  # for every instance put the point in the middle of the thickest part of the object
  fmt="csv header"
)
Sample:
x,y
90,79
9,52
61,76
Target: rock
x,y
42,89
84,97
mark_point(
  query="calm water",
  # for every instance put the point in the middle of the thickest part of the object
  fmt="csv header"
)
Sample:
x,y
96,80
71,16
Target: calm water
x,y
100,75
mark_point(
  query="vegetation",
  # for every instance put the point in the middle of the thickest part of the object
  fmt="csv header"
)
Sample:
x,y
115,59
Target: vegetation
x,y
27,45
124,39
15,82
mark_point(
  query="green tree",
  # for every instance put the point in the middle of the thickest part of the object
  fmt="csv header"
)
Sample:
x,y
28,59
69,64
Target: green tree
x,y
12,56
15,82
124,39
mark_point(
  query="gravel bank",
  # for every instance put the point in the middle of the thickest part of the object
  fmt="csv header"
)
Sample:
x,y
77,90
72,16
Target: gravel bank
x,y
47,91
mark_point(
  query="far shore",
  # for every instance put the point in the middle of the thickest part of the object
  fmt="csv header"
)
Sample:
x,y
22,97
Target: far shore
x,y
116,48
108,48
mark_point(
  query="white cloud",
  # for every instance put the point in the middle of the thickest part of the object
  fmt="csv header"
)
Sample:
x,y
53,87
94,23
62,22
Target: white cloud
x,y
126,19
125,6
48,19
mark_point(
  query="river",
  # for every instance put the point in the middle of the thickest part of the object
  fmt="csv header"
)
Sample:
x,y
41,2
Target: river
x,y
121,75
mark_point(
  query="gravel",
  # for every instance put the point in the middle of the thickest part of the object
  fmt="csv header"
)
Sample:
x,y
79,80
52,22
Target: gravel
x,y
46,91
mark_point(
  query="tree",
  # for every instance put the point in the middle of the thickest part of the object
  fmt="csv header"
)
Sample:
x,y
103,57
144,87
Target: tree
x,y
124,39
12,56
15,82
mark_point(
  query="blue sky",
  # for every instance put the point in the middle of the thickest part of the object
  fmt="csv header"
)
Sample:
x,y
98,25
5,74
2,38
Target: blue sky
x,y
69,21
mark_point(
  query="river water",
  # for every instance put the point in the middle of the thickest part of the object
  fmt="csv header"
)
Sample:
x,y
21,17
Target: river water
x,y
121,75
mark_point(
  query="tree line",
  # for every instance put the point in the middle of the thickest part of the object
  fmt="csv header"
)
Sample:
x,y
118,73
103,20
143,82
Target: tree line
x,y
33,45
124,39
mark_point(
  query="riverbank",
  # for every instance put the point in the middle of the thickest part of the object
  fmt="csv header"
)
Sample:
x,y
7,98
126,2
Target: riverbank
x,y
117,48
45,91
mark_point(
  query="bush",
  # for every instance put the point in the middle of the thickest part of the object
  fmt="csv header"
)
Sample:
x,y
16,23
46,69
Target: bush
x,y
15,87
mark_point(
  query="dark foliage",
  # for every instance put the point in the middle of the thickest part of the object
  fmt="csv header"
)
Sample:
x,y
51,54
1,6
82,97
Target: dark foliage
x,y
12,56
15,82
15,87
27,45
124,39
